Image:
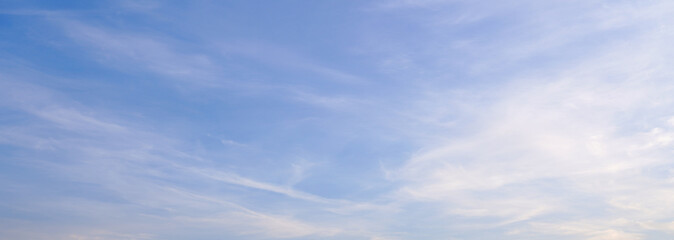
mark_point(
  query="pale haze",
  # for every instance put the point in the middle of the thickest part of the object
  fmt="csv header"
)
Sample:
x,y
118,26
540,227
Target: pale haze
x,y
337,120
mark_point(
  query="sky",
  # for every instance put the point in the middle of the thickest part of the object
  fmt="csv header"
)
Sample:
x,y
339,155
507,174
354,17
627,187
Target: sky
x,y
372,120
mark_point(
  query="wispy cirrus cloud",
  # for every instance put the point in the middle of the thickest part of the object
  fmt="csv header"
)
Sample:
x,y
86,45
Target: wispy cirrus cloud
x,y
532,147
126,50
123,152
465,120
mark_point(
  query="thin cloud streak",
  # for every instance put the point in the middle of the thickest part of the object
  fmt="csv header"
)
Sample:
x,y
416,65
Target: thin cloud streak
x,y
134,150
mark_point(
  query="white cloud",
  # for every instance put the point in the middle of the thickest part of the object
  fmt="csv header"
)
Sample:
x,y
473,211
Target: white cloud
x,y
567,132
136,51
284,58
116,158
531,145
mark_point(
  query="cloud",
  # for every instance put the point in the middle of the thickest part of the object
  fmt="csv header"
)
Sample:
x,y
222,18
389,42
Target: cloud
x,y
284,58
238,180
587,230
209,66
137,51
118,160
529,146
521,120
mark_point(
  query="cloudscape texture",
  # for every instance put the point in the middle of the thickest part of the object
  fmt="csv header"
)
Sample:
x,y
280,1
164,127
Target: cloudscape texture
x,y
373,120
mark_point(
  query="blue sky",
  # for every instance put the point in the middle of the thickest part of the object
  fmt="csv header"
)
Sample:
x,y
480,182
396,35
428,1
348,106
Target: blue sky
x,y
374,120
